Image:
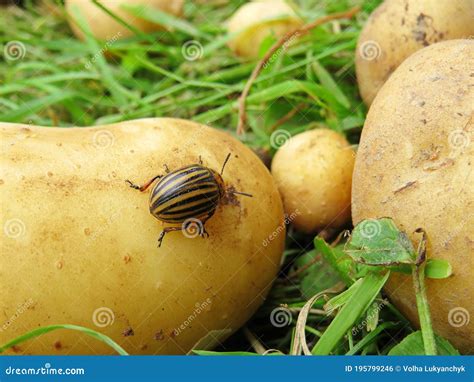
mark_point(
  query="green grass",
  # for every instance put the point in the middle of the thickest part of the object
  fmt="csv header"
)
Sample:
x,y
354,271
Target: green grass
x,y
61,81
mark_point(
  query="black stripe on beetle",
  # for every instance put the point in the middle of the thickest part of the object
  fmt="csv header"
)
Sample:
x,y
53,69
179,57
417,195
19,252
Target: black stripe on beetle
x,y
189,193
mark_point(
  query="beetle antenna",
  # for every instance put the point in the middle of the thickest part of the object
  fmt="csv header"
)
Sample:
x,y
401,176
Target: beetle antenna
x,y
225,162
242,193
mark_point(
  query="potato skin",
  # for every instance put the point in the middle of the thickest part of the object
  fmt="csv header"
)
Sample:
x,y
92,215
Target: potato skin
x,y
254,19
397,28
415,165
80,239
105,27
313,171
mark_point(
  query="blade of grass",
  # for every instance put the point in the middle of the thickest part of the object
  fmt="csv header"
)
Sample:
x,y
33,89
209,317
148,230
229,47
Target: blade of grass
x,y
121,21
351,312
372,336
34,106
119,93
328,82
46,329
165,19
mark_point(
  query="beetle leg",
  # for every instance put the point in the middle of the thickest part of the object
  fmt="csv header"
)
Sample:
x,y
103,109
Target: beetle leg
x,y
204,233
167,170
165,231
200,160
145,186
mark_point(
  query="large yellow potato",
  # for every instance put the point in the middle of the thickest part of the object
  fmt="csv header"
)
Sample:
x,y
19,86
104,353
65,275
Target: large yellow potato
x,y
313,171
79,246
105,27
397,28
256,20
415,165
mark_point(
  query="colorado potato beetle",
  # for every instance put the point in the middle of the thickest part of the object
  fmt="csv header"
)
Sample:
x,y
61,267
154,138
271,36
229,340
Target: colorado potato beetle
x,y
189,194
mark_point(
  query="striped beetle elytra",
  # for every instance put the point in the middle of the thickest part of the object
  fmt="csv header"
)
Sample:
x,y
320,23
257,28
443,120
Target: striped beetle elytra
x,y
190,193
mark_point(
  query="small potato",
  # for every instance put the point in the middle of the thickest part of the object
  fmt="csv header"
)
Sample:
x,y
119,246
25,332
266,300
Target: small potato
x,y
415,165
313,171
396,29
104,27
256,20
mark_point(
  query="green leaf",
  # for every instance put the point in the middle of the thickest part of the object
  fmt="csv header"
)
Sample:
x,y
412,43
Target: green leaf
x,y
318,276
438,269
335,257
413,345
434,269
380,242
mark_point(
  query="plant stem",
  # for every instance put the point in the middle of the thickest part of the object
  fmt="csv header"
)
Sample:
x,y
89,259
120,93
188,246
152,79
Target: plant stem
x,y
424,310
